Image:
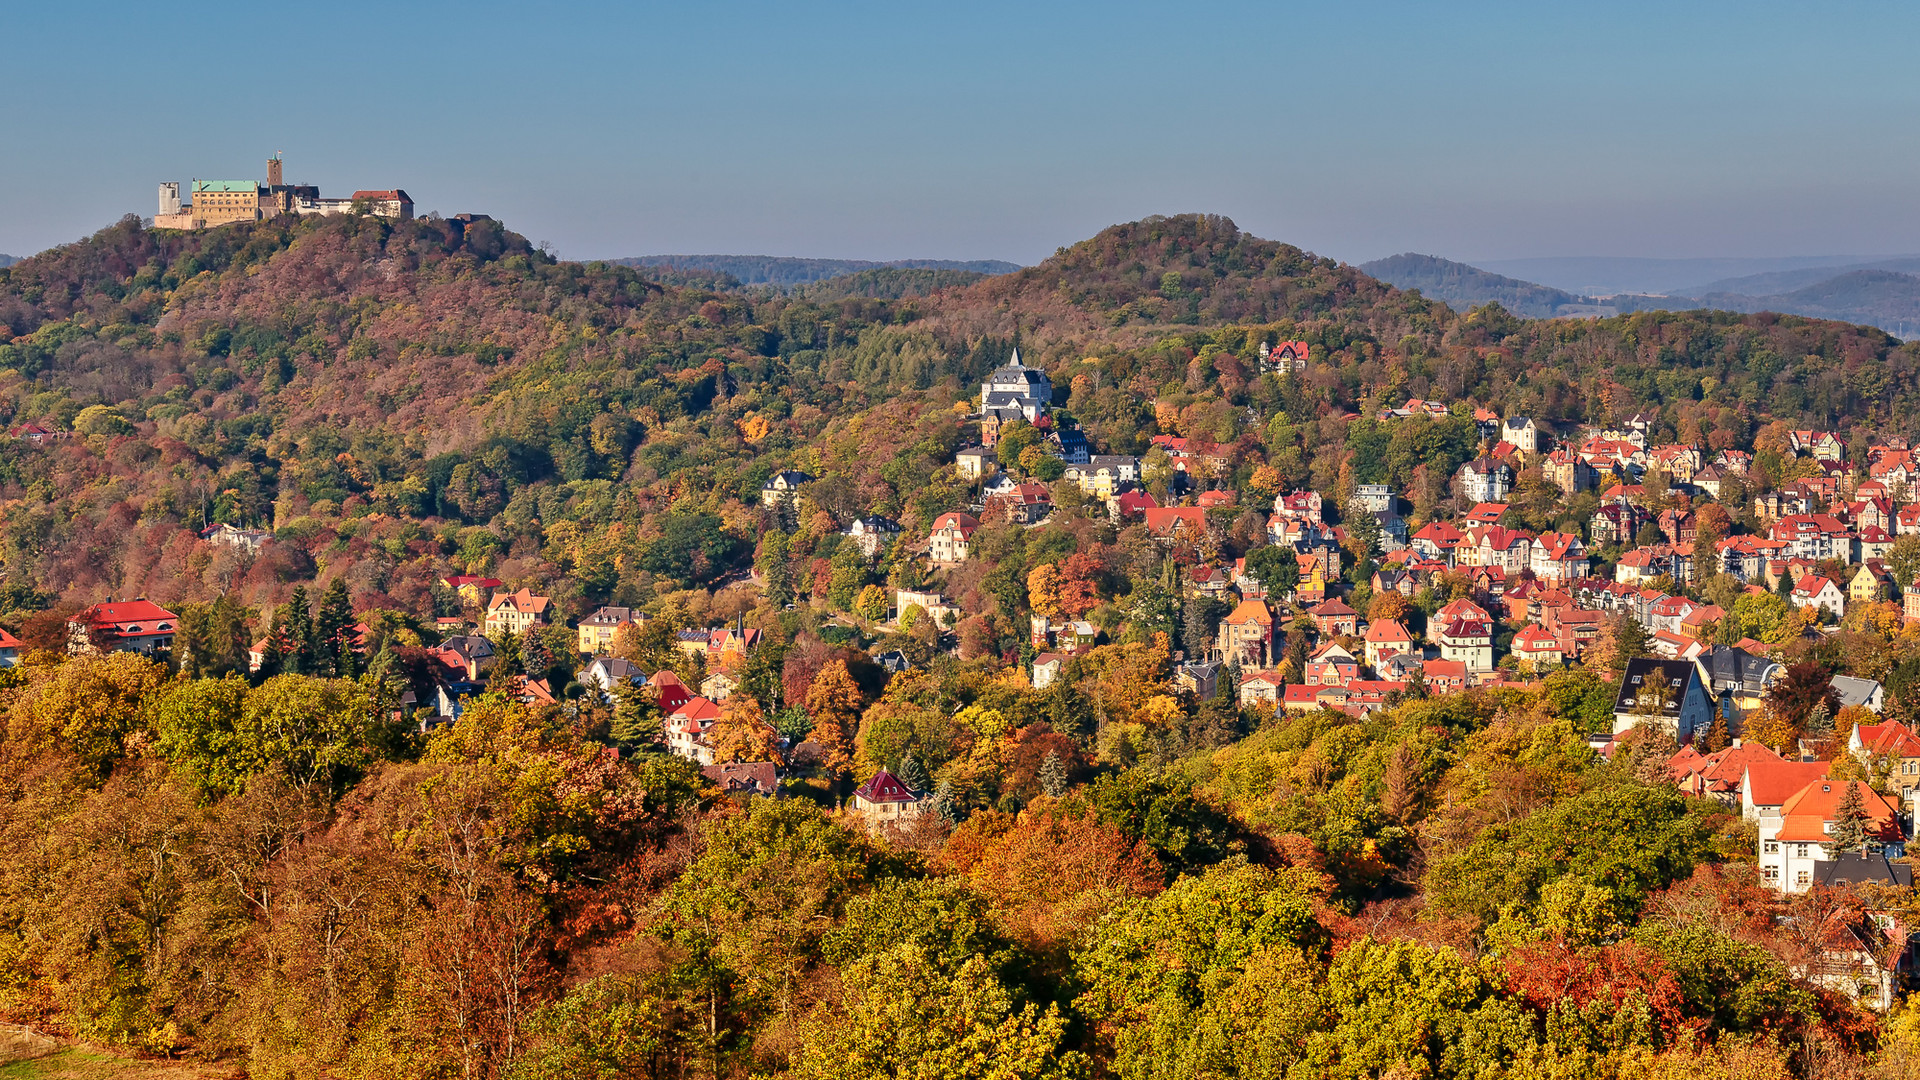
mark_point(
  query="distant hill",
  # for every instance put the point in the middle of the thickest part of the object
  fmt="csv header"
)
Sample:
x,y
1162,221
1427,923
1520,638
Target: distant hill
x,y
785,272
1608,275
8,260
885,283
1888,299
1463,286
1786,281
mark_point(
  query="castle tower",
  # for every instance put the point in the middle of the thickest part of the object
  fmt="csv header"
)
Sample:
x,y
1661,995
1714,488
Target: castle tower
x,y
170,198
274,179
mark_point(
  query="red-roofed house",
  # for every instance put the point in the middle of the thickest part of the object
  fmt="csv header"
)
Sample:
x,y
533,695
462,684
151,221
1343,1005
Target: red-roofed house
x,y
1177,523
471,587
1718,775
886,800
1539,649
126,626
1438,540
1386,637
1792,844
1444,676
669,691
1333,618
1469,641
1892,748
1246,634
689,728
10,647
947,542
1260,686
1815,591
1558,557
391,203
512,613
1331,665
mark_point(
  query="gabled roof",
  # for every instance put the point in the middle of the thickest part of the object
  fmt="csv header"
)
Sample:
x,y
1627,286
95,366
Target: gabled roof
x,y
1805,813
884,787
522,601
1333,606
966,523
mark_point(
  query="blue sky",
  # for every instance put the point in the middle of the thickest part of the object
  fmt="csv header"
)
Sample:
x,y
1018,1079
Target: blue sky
x,y
999,130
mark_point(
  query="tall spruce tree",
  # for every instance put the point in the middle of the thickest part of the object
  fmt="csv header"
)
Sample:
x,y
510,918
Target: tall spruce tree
x,y
1849,831
296,619
333,632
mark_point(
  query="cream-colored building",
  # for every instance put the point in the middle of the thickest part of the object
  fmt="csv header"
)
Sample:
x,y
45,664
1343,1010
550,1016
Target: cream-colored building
x,y
514,612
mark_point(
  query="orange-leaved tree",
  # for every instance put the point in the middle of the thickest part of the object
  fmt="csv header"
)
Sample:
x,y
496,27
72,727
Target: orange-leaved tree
x,y
833,701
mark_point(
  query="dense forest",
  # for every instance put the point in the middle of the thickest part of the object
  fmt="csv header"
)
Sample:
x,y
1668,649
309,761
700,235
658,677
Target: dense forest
x,y
269,870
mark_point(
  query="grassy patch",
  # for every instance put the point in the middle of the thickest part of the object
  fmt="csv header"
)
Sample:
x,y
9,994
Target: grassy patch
x,y
85,1063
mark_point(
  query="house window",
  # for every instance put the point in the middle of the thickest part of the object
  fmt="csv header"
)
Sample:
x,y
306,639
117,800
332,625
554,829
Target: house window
x,y
1773,847
1800,851
1771,873
1801,879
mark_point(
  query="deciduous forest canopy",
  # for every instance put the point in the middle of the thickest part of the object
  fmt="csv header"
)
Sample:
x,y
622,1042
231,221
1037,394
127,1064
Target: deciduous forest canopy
x,y
267,869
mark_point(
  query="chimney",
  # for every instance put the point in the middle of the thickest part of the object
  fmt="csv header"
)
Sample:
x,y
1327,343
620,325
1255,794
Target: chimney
x,y
273,172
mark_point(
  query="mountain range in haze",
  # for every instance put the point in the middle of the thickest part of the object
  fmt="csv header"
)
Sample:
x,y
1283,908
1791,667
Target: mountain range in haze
x,y
786,272
7,260
1883,292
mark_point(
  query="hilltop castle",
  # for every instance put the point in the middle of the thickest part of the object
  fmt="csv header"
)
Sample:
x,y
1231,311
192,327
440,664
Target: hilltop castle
x,y
223,202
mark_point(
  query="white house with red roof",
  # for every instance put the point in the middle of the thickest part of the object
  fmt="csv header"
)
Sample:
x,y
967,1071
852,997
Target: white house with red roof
x,y
1438,540
1305,505
1815,591
1558,557
1794,844
1467,640
689,730
1386,637
137,625
952,532
1492,545
1261,687
1539,648
10,648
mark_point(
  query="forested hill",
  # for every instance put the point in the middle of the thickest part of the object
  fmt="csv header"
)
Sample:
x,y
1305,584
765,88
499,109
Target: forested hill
x,y
1469,286
785,271
356,374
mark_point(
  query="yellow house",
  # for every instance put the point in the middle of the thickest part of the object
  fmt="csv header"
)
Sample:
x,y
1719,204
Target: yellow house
x,y
598,630
512,613
1870,584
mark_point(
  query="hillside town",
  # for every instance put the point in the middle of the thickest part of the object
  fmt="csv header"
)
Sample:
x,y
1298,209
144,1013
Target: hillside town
x,y
1352,601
